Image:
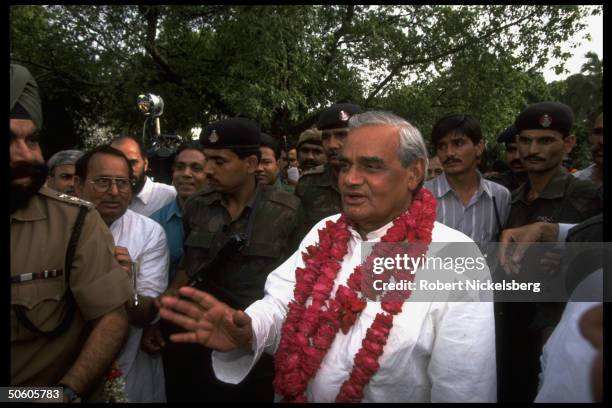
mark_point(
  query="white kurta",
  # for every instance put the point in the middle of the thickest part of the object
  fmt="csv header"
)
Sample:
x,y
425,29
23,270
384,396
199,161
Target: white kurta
x,y
436,351
152,197
146,242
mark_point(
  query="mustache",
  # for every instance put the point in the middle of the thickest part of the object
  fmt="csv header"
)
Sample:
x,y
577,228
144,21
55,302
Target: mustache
x,y
534,157
515,162
451,160
25,169
309,163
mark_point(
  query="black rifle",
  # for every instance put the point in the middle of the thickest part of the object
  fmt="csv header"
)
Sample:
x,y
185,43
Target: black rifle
x,y
230,248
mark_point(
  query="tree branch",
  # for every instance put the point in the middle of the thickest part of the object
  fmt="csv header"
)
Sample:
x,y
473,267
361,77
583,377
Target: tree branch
x,y
402,63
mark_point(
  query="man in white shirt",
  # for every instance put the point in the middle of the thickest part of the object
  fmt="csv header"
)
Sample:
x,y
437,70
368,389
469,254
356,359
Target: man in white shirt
x,y
433,351
104,178
148,196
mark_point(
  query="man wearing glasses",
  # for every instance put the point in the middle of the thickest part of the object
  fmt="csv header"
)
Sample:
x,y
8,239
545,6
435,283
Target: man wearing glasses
x,y
594,172
104,177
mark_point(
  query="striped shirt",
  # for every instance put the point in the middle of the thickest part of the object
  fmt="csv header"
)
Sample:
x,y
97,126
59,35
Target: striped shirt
x,y
478,218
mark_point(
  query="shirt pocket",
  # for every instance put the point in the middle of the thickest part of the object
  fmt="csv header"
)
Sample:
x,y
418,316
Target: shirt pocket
x,y
198,245
42,301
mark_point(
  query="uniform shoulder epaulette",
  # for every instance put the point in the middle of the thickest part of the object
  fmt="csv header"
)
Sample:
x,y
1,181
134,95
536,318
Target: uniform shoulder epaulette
x,y
315,170
282,197
65,198
580,187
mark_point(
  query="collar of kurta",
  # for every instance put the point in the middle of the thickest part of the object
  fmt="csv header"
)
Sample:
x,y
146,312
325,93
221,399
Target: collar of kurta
x,y
34,211
554,189
145,193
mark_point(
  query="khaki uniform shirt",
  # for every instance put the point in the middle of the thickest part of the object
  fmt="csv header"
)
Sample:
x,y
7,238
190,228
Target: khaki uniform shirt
x,y
565,199
274,237
39,239
319,194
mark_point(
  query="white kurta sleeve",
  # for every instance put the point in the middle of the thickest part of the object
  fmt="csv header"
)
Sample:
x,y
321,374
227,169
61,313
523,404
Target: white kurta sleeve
x,y
462,366
153,263
267,317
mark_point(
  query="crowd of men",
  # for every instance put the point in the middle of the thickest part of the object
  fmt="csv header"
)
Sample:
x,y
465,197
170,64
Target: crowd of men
x,y
206,289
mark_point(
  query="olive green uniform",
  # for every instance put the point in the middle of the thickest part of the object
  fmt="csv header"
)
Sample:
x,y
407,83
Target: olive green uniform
x,y
40,233
240,282
320,196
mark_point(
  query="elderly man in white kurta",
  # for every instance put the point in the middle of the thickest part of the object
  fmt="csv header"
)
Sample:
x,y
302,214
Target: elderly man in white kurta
x,y
329,343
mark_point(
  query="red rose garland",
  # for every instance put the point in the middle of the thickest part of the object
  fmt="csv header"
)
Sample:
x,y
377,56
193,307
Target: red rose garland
x,y
309,331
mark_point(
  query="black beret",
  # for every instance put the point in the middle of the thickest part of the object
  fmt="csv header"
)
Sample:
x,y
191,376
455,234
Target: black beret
x,y
237,134
507,135
546,115
337,116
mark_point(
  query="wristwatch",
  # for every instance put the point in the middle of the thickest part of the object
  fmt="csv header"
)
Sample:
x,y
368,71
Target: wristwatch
x,y
70,393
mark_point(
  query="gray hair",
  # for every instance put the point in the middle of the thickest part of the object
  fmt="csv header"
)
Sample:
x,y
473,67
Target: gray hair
x,y
412,145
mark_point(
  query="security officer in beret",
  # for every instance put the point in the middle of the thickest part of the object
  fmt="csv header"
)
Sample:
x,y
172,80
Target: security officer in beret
x,y
61,170
549,195
310,152
68,320
233,205
516,175
318,188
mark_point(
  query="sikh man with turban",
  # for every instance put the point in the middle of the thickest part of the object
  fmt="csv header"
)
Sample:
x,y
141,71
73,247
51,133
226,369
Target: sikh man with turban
x,y
68,320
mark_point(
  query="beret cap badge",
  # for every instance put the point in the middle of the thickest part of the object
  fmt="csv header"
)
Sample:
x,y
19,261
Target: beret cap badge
x,y
214,137
344,116
545,121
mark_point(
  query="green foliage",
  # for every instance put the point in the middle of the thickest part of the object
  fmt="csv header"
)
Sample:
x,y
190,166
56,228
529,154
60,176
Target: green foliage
x,y
280,65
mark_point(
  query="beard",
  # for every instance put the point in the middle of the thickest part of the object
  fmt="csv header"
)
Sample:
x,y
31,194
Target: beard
x,y
20,195
140,182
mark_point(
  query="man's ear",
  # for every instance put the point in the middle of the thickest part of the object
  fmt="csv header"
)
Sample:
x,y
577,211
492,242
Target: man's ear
x,y
568,143
146,164
480,148
416,173
78,186
252,163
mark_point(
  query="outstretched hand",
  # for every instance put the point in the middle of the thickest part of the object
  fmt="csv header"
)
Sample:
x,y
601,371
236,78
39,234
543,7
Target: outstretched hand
x,y
514,242
208,321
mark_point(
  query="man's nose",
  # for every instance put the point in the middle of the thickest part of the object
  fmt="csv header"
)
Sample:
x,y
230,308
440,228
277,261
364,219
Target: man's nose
x,y
20,152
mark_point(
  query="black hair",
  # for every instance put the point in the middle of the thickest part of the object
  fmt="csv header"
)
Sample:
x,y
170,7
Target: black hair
x,y
272,143
80,167
187,146
464,124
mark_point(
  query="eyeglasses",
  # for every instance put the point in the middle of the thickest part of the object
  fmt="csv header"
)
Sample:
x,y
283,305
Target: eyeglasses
x,y
598,131
103,184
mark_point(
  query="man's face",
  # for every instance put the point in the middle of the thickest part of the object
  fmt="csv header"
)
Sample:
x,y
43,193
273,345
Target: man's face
x,y
139,164
226,171
333,140
374,186
596,139
112,203
513,158
310,155
293,160
27,167
458,154
268,168
188,174
435,168
62,179
542,150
